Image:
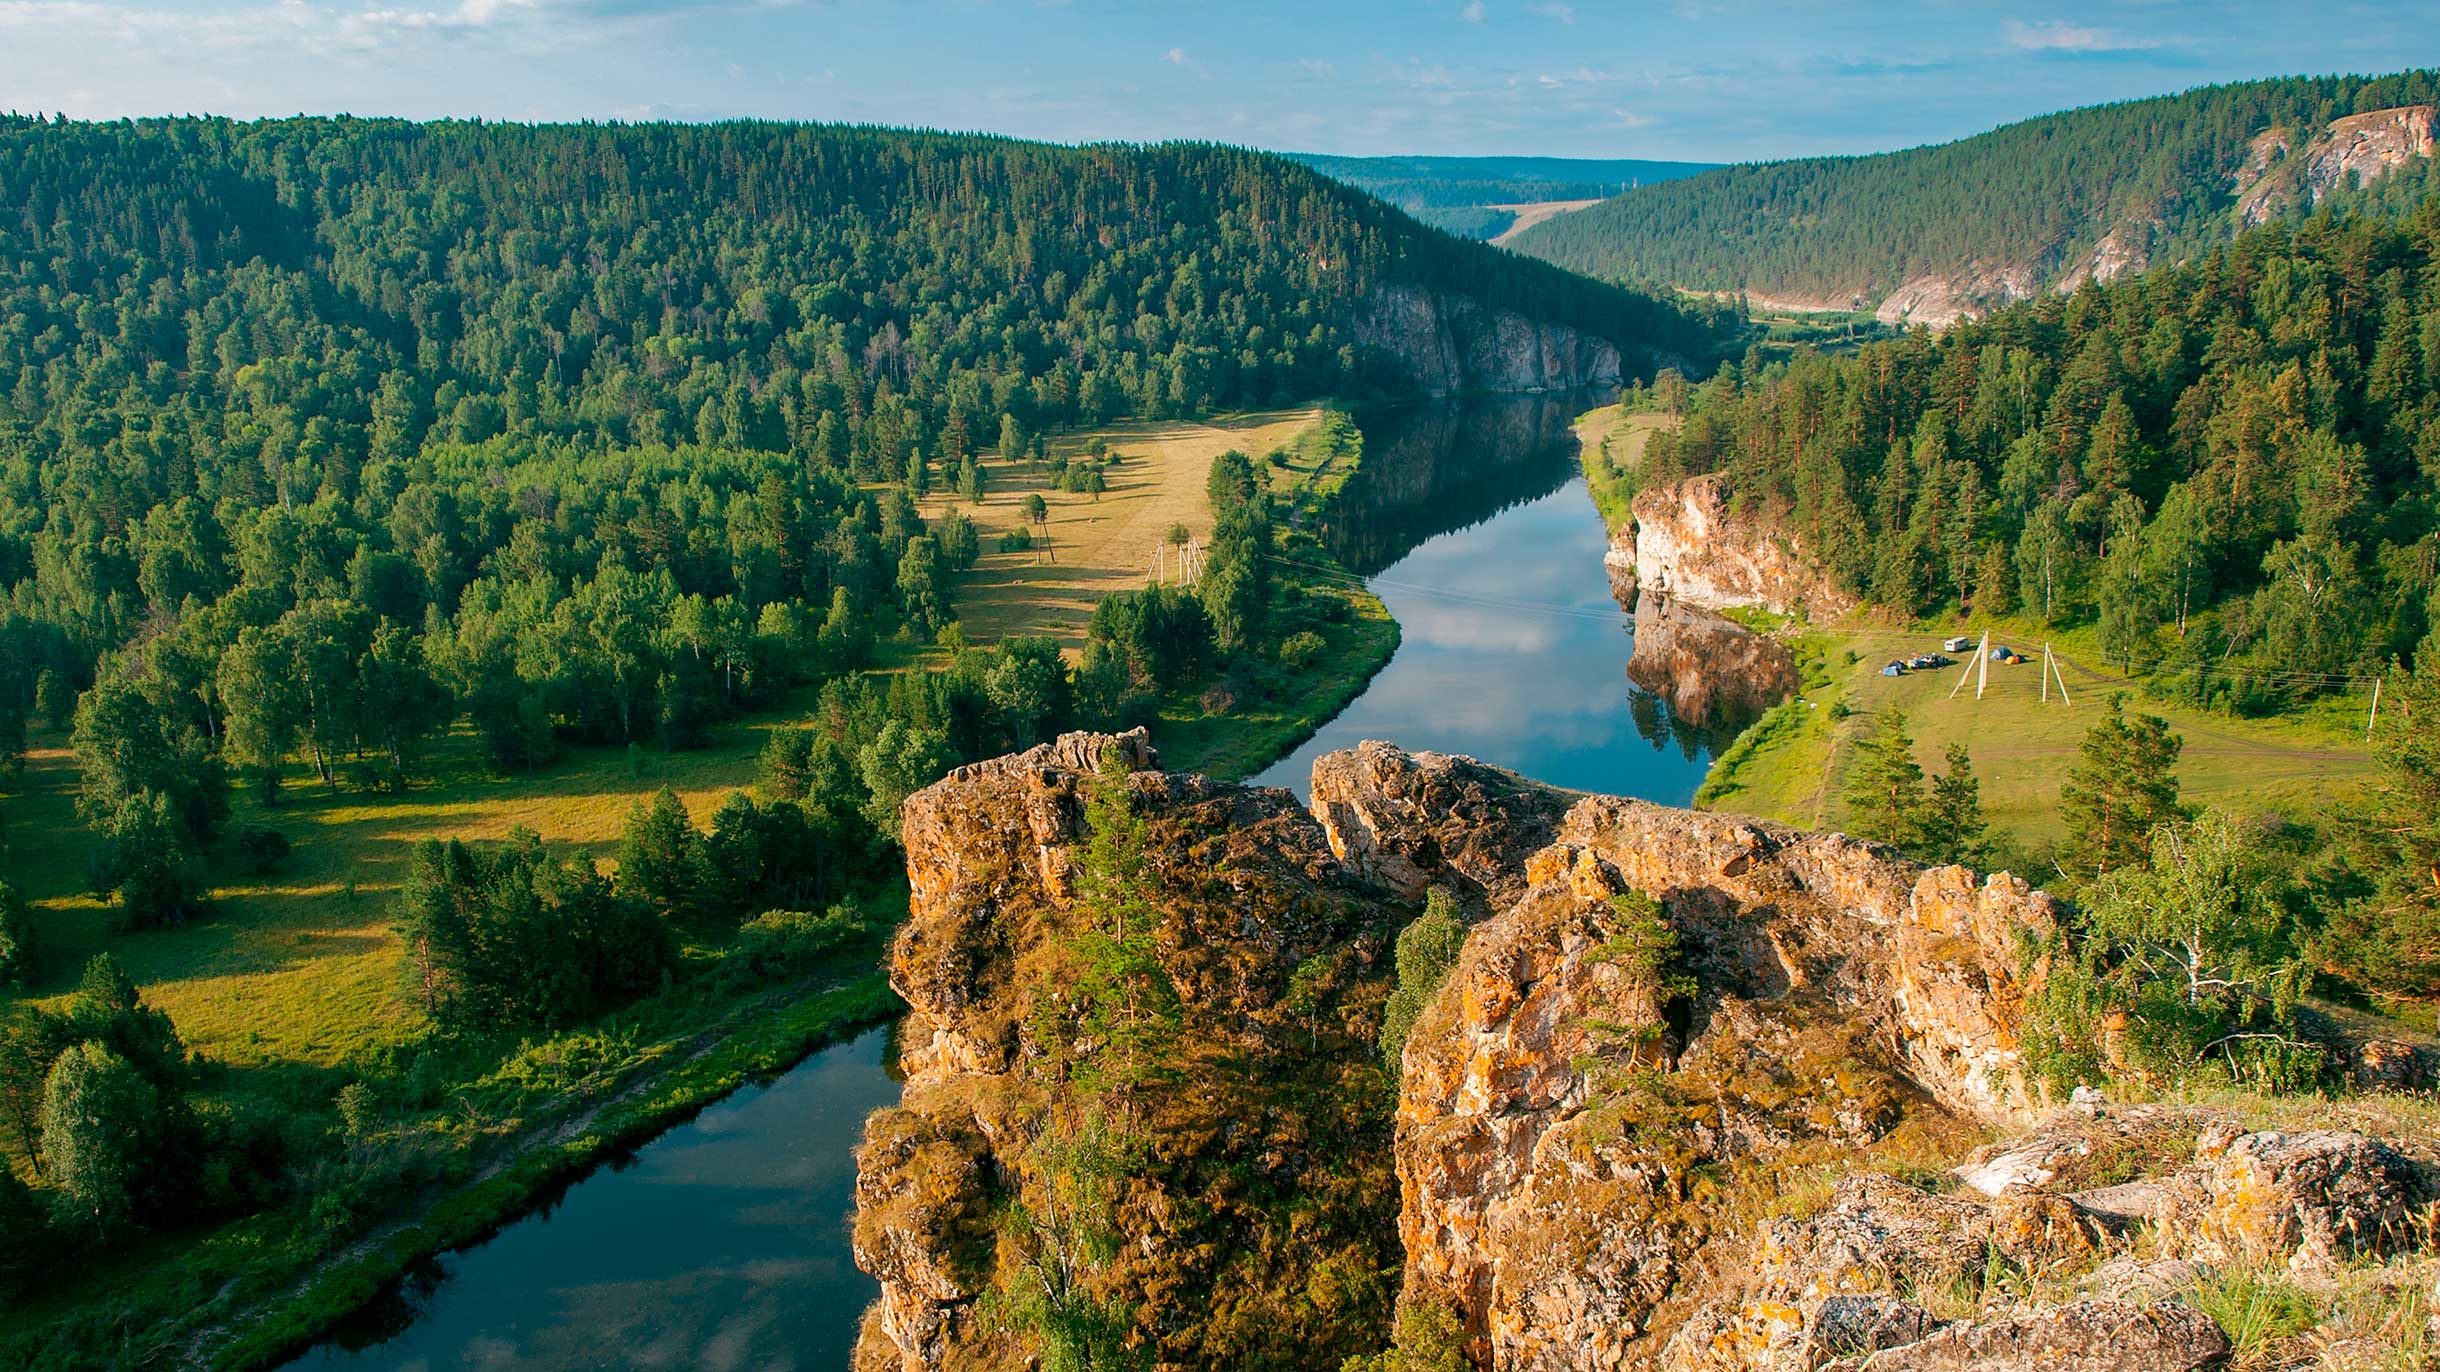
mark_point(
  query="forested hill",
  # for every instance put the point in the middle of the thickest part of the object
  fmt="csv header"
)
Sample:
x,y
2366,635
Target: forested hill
x,y
462,389
1464,195
1933,232
2232,465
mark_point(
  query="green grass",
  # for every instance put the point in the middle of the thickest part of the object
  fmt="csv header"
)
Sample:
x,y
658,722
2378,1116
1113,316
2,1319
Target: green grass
x,y
1612,440
1790,765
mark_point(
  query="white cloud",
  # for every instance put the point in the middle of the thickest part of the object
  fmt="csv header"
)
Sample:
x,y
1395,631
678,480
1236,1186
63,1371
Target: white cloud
x,y
1175,57
1473,13
2054,37
1564,13
1318,67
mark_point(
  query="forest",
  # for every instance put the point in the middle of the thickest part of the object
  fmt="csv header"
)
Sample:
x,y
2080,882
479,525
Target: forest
x,y
2229,470
341,453
2041,194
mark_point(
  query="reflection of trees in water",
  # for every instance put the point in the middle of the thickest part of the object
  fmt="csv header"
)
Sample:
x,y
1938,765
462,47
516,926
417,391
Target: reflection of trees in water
x,y
1665,728
394,1311
1435,468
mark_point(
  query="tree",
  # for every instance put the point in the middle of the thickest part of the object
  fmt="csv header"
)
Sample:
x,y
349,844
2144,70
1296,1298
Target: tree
x,y
1950,827
1884,788
2197,945
18,960
1027,684
126,744
145,862
2385,936
25,1236
2124,788
1123,996
101,1136
660,855
901,760
258,683
1427,948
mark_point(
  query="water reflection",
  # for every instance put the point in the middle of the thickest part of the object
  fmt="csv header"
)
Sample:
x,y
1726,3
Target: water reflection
x,y
1483,542
721,1245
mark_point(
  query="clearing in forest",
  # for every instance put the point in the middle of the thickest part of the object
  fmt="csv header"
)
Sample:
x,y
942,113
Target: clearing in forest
x,y
1097,544
2022,744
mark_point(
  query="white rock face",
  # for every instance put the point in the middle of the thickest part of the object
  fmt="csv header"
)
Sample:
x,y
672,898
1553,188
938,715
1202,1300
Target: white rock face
x,y
1690,546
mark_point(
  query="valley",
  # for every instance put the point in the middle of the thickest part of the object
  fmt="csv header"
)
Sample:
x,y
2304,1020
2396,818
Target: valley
x,y
661,740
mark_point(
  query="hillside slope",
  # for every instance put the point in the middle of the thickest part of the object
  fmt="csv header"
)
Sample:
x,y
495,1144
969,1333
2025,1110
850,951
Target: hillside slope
x,y
1930,234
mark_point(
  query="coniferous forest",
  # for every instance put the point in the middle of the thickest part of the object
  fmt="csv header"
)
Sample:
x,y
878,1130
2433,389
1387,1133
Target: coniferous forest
x,y
2040,195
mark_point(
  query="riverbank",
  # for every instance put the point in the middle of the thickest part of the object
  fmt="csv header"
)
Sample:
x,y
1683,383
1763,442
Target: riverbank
x,y
250,1292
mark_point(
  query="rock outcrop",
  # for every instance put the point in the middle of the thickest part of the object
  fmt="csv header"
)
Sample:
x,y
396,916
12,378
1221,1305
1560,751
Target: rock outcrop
x,y
2278,178
1661,1022
1450,344
1693,545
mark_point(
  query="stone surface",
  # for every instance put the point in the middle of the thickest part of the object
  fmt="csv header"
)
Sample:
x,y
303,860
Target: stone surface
x,y
2088,1336
2306,1199
1693,546
1450,343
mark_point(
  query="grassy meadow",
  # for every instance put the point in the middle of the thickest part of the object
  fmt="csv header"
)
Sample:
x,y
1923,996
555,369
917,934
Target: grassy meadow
x,y
1097,544
1792,765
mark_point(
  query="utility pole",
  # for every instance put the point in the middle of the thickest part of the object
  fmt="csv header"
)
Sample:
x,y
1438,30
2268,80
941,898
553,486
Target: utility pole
x,y
1982,665
2374,717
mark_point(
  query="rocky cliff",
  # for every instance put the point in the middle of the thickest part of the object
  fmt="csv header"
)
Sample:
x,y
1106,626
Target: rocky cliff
x,y
1690,542
2283,172
1671,1107
1450,344
1715,675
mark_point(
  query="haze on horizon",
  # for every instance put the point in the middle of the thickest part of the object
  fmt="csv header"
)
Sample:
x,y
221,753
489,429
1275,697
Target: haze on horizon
x,y
1709,80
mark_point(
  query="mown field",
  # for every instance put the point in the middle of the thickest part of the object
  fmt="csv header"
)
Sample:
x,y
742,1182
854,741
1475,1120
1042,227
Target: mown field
x,y
1097,544
1792,766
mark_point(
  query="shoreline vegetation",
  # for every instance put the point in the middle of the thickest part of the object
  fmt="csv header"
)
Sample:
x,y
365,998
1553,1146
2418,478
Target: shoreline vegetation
x,y
251,1292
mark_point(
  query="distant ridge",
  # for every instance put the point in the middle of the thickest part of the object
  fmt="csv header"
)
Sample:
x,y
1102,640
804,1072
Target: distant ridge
x,y
1930,234
1476,197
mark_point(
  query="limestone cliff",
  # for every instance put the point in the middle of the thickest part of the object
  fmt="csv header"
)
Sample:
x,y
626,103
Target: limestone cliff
x,y
1450,344
1689,541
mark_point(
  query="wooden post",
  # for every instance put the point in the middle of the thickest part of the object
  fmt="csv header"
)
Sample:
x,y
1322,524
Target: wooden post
x,y
2045,671
2061,674
1962,678
2374,717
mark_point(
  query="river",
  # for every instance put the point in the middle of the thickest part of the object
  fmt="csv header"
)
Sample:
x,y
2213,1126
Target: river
x,y
723,1244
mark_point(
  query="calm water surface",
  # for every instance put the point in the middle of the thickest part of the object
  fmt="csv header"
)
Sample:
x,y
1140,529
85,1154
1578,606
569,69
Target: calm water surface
x,y
1511,648
723,1244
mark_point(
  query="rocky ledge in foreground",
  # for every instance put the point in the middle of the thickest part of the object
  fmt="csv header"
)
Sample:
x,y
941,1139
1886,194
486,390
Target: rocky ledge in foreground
x,y
1647,1118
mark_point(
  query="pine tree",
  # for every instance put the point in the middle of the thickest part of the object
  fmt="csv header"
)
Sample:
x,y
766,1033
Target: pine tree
x,y
1884,789
659,855
2125,787
1949,826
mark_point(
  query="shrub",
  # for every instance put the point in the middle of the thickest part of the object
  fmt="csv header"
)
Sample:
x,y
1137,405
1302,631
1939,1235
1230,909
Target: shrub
x,y
1016,541
259,849
1427,949
1299,649
779,944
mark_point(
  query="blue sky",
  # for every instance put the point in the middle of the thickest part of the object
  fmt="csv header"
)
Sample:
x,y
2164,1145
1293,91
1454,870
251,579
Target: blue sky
x,y
1696,79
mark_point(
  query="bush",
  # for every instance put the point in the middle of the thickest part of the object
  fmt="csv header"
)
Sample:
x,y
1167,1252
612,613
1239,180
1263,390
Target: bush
x,y
1016,541
779,944
259,849
1427,949
17,952
1301,648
